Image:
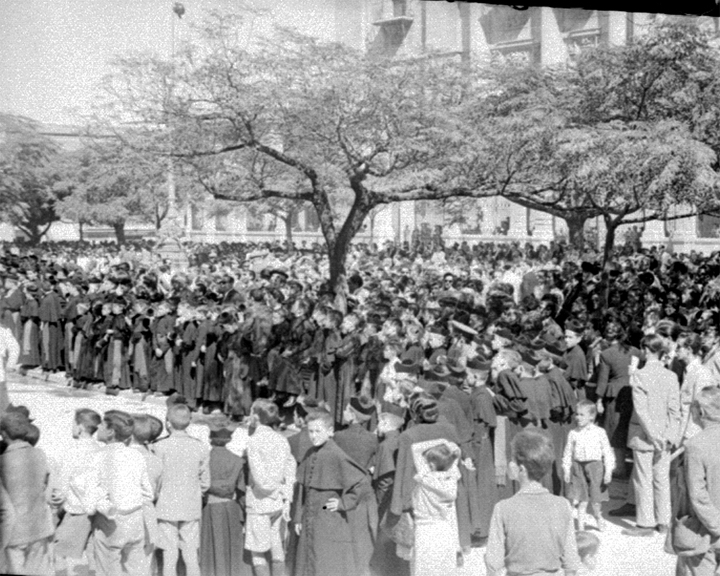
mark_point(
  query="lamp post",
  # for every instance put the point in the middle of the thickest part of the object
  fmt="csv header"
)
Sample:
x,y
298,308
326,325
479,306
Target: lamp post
x,y
173,225
172,228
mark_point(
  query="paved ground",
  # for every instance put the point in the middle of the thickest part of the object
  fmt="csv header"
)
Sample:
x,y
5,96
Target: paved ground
x,y
52,405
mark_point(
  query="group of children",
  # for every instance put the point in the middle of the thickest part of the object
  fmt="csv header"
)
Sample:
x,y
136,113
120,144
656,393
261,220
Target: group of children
x,y
129,499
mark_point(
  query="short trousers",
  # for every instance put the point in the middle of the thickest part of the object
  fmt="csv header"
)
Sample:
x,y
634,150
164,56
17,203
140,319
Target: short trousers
x,y
184,535
261,530
586,482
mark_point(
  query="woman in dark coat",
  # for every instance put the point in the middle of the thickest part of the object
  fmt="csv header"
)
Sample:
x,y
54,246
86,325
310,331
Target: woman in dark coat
x,y
30,318
221,531
613,389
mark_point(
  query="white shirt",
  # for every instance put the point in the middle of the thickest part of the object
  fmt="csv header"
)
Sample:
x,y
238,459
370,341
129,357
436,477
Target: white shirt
x,y
119,481
9,351
588,444
74,463
272,471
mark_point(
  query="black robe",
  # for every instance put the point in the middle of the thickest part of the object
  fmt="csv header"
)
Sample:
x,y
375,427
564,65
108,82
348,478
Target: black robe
x,y
326,544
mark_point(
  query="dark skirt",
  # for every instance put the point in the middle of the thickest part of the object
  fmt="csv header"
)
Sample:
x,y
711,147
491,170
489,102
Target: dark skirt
x,y
285,377
222,545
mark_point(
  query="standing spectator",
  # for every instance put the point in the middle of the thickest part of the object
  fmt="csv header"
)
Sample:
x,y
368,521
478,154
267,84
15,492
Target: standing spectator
x,y
24,475
271,480
654,430
588,462
614,395
437,544
72,534
330,480
221,533
703,479
576,370
9,353
515,543
697,378
119,489
185,478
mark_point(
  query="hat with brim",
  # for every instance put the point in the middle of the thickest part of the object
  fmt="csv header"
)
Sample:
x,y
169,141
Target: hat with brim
x,y
463,328
438,373
504,333
575,326
363,406
477,365
407,366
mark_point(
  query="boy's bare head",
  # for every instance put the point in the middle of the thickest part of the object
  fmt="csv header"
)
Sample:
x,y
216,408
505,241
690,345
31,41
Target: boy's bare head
x,y
320,427
120,424
707,404
266,411
179,416
88,420
440,457
535,452
146,429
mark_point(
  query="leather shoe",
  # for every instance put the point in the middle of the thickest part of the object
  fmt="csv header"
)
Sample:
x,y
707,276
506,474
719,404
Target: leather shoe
x,y
624,510
639,531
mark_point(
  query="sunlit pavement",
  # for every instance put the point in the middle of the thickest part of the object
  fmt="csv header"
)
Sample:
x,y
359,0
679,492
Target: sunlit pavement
x,y
52,405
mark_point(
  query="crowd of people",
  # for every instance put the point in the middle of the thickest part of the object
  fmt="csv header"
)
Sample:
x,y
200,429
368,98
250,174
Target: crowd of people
x,y
427,401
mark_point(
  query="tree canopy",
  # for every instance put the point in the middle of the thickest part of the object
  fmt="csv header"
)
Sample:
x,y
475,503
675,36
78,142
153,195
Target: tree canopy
x,y
106,182
29,169
633,141
298,119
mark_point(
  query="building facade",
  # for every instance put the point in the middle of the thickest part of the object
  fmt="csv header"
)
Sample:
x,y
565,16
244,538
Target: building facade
x,y
45,41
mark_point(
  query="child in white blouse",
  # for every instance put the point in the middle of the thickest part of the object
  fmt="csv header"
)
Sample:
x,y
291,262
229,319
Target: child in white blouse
x,y
588,462
436,533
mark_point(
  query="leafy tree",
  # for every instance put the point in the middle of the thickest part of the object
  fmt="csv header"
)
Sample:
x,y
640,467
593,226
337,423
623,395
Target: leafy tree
x,y
107,183
626,175
29,168
632,144
297,119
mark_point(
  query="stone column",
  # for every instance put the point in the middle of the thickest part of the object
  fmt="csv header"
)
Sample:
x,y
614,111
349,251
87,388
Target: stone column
x,y
552,46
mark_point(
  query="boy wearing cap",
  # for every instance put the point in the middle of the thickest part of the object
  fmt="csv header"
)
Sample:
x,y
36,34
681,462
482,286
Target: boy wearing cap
x,y
185,478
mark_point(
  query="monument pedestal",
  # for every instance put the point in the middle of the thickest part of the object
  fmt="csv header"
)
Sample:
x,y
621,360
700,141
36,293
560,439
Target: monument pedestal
x,y
171,250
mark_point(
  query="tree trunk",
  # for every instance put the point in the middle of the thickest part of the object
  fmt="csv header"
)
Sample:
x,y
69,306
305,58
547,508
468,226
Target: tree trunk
x,y
119,228
81,231
288,230
337,255
611,228
576,231
34,232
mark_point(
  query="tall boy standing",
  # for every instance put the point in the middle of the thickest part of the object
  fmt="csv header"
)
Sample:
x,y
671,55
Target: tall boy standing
x,y
185,477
